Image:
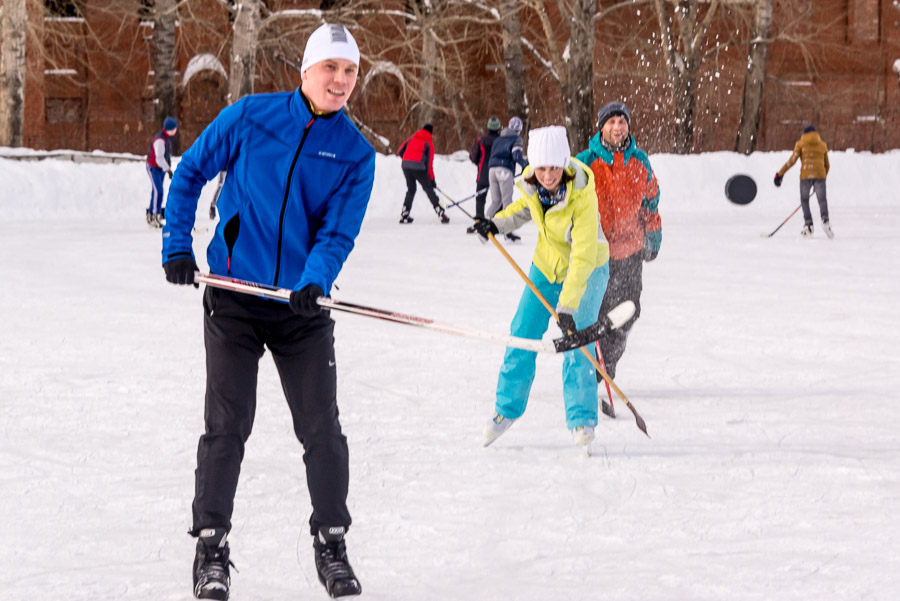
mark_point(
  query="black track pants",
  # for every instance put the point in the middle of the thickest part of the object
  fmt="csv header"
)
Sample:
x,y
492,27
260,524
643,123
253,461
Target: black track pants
x,y
237,328
421,176
481,198
625,283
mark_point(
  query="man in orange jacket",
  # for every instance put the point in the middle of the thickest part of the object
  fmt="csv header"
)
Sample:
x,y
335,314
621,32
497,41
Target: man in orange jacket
x,y
628,197
814,166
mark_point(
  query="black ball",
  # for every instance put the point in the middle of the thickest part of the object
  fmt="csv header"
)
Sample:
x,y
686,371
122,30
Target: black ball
x,y
740,189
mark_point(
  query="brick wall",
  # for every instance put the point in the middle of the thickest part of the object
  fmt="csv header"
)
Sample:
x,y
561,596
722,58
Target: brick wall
x,y
90,83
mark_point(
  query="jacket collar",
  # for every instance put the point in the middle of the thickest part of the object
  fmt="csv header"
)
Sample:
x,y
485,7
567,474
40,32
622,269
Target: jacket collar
x,y
573,168
301,108
596,146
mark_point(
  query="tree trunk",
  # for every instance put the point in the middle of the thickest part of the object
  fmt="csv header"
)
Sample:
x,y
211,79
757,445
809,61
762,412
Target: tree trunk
x,y
243,49
683,58
426,81
512,57
579,97
755,79
164,92
685,94
13,27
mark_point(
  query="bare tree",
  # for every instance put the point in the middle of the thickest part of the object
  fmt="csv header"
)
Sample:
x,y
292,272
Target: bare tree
x,y
165,101
516,102
571,62
13,25
683,31
247,23
755,79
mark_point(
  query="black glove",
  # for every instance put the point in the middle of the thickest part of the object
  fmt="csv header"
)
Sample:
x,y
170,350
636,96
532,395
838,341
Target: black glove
x,y
170,174
483,227
566,323
303,301
778,178
649,254
180,269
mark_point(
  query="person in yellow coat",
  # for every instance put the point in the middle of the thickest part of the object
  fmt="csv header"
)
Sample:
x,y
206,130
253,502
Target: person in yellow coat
x,y
570,268
814,166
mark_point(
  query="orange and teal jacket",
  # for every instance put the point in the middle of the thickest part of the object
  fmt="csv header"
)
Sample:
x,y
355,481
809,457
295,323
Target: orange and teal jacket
x,y
627,196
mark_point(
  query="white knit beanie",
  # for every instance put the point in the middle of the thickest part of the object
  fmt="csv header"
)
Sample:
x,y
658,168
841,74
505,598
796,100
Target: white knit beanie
x,y
548,147
329,41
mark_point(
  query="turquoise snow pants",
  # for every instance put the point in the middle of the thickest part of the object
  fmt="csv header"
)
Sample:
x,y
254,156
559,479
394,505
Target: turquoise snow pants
x,y
531,321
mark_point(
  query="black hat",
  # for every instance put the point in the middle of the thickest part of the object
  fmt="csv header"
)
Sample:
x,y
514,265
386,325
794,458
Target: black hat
x,y
611,110
427,127
809,128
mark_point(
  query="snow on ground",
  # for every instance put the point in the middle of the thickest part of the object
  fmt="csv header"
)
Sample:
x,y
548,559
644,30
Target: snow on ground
x,y
766,370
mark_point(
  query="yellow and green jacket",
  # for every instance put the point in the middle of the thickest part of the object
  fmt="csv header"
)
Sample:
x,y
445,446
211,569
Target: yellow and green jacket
x,y
813,155
571,243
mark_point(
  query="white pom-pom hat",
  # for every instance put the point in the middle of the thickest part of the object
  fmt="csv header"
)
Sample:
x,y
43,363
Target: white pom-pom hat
x,y
548,147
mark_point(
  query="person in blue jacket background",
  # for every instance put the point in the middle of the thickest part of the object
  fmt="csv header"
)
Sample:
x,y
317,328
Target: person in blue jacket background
x,y
299,177
506,153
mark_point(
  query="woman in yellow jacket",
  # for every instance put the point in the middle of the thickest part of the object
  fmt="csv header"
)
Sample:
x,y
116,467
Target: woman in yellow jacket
x,y
814,166
570,268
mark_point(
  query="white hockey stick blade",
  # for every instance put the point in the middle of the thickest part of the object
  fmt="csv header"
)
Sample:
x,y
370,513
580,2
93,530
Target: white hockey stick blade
x,y
621,313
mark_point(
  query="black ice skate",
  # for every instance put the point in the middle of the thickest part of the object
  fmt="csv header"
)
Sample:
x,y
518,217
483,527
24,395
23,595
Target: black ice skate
x,y
211,576
332,563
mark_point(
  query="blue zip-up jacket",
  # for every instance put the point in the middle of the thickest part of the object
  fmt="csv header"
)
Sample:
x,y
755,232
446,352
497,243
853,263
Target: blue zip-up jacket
x,y
506,151
294,198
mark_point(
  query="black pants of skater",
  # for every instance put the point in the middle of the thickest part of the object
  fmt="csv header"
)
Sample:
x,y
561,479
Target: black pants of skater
x,y
821,194
625,283
481,197
237,329
420,176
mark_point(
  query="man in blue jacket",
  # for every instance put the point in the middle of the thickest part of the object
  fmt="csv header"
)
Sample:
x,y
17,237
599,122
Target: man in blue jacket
x,y
299,177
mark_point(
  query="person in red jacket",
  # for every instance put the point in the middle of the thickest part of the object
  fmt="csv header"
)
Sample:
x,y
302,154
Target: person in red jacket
x,y
418,166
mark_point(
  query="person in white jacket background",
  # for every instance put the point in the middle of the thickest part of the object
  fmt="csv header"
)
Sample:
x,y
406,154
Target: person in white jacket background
x,y
159,162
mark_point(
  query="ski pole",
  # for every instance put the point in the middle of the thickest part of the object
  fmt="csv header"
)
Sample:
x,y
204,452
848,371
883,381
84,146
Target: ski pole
x,y
637,418
284,295
782,223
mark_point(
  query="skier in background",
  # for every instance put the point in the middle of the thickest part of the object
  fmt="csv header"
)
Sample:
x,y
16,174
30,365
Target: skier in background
x,y
506,153
814,166
159,162
418,166
481,156
300,175
569,268
628,197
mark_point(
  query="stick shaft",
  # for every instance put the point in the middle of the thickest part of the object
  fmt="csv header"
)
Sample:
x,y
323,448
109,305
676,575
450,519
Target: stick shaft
x,y
284,295
785,221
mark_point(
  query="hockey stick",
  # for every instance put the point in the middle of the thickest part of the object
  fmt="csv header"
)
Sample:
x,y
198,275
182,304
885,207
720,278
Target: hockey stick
x,y
637,418
281,294
454,203
764,235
